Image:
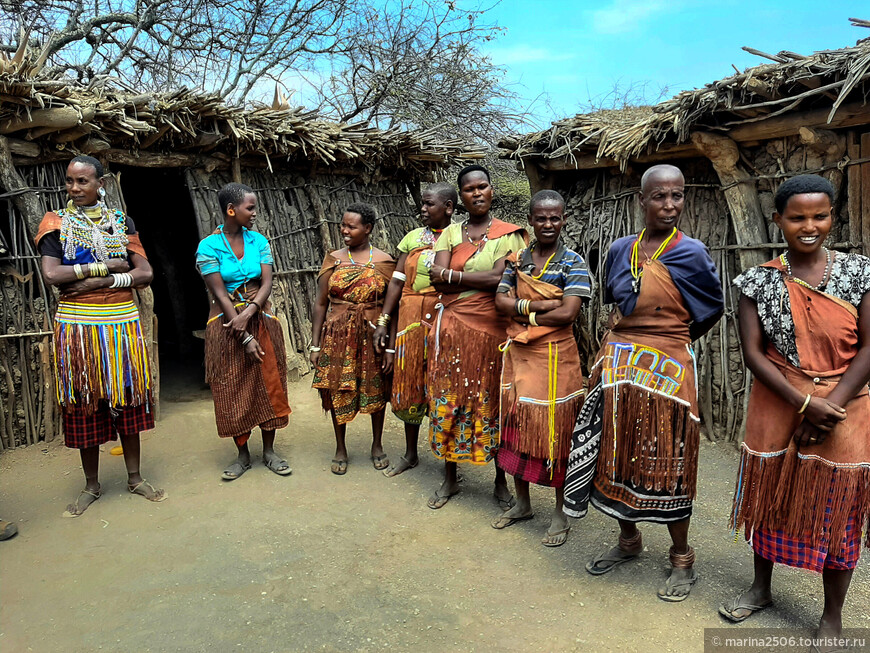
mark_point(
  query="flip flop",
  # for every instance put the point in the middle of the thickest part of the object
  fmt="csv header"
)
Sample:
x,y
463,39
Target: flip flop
x,y
275,462
235,470
380,462
505,504
437,500
686,582
595,568
564,532
151,493
390,473
7,530
504,522
339,467
78,510
727,610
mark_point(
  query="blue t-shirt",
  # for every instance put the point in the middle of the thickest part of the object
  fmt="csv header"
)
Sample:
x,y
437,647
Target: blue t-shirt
x,y
214,254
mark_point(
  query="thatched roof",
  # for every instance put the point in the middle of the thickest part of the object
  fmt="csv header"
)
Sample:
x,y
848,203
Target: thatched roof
x,y
46,117
829,83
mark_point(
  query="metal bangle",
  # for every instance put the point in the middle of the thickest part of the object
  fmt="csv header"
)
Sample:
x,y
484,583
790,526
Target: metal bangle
x,y
390,351
248,339
806,403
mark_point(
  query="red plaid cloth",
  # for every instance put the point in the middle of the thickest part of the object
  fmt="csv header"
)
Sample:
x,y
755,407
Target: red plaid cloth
x,y
81,430
527,468
778,547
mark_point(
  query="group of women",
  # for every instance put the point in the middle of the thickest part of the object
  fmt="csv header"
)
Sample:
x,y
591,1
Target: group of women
x,y
472,327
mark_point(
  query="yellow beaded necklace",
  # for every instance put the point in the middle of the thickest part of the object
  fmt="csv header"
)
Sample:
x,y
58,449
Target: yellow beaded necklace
x,y
543,269
636,269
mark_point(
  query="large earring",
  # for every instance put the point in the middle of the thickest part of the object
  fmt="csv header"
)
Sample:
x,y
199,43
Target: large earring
x,y
102,192
231,213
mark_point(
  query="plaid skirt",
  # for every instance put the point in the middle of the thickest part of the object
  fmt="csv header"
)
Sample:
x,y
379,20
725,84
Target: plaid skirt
x,y
82,430
784,549
528,468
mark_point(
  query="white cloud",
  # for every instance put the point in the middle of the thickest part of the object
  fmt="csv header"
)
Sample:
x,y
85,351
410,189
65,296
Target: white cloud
x,y
626,15
524,53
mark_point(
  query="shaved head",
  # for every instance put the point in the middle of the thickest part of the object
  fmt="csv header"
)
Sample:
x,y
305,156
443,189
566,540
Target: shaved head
x,y
661,171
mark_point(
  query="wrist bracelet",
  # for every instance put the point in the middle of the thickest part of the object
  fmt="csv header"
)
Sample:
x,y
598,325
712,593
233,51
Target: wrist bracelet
x,y
532,320
450,276
806,403
248,339
384,319
77,268
460,279
122,280
313,349
259,308
390,351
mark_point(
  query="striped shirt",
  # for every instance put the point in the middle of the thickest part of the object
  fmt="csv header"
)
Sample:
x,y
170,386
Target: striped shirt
x,y
567,270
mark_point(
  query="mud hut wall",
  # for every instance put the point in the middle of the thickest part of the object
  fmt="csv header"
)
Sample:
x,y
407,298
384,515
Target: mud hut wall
x,y
300,214
28,404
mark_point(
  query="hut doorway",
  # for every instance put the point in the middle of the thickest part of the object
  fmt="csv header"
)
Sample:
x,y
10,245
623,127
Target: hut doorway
x,y
159,203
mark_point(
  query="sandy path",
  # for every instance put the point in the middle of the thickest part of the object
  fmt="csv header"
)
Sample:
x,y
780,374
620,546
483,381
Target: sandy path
x,y
322,563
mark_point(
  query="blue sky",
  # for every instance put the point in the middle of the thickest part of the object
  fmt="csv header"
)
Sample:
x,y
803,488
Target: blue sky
x,y
575,51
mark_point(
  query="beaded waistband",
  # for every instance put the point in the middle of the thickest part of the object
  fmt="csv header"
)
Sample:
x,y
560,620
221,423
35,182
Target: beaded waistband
x,y
99,314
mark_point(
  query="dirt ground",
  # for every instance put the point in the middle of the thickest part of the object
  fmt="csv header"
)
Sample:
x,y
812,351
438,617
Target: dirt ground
x,y
355,563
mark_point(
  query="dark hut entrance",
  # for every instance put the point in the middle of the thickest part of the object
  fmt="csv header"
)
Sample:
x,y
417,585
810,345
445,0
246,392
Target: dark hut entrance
x,y
158,201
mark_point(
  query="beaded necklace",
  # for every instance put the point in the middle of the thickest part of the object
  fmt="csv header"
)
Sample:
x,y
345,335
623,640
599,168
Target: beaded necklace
x,y
371,256
784,259
544,269
430,235
636,270
483,240
105,236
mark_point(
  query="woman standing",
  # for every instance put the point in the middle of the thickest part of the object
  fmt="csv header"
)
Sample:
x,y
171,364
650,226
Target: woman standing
x,y
416,311
803,489
245,362
542,389
642,408
94,256
465,362
347,370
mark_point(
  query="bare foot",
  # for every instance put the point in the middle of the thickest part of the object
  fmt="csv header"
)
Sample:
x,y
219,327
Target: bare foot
x,y
145,489
85,498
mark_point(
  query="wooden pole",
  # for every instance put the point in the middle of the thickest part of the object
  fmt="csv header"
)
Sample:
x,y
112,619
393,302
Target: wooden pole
x,y
853,180
27,202
742,197
865,194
